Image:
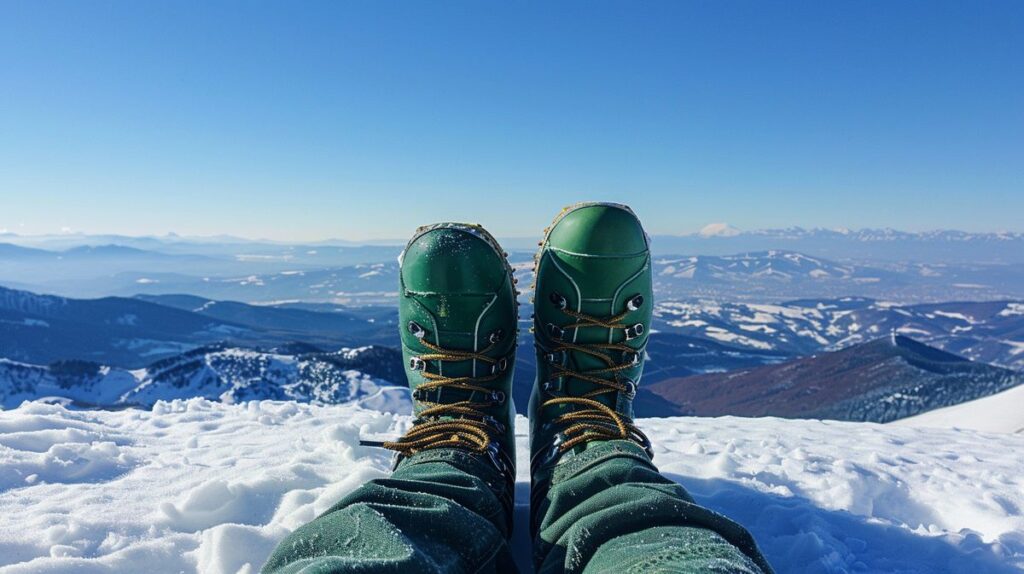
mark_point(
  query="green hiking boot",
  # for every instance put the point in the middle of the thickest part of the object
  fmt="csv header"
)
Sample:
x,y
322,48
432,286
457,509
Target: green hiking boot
x,y
458,320
592,316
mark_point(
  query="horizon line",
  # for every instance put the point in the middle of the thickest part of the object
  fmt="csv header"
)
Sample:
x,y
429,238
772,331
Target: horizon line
x,y
731,233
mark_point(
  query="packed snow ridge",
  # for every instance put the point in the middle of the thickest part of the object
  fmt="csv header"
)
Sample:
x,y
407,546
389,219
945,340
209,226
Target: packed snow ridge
x,y
201,486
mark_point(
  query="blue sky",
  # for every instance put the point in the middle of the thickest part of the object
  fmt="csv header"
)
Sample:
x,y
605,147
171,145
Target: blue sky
x,y
309,120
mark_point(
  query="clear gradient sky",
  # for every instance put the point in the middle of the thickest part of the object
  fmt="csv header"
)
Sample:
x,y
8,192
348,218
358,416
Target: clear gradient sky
x,y
308,120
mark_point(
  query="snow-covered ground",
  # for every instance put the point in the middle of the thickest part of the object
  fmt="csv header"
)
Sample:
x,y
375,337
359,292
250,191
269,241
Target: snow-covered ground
x,y
199,486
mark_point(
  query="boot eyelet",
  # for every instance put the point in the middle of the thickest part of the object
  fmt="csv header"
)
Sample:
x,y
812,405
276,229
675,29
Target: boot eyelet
x,y
553,358
500,366
630,391
494,423
498,397
417,364
631,358
493,453
416,330
496,336
555,331
647,447
635,303
559,301
634,331
554,449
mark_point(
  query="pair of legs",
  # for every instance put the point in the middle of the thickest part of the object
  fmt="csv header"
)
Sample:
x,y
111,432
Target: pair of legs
x,y
598,503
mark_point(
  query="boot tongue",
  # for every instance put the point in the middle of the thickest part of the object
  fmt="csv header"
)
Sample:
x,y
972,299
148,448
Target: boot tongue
x,y
454,319
583,362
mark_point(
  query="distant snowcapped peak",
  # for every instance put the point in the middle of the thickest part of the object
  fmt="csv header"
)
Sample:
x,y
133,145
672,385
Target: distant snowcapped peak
x,y
719,230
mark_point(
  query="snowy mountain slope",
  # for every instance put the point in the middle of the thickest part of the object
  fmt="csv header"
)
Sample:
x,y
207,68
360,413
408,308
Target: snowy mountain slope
x,y
989,332
217,373
299,371
197,486
236,375
1002,412
75,381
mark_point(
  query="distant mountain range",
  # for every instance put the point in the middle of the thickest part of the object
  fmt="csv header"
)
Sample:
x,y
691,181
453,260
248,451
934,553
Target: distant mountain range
x,y
131,332
758,276
713,239
939,246
721,261
880,381
776,275
160,337
99,265
793,322
690,336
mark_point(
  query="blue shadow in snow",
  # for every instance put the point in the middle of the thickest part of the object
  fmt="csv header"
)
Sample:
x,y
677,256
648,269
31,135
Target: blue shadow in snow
x,y
798,537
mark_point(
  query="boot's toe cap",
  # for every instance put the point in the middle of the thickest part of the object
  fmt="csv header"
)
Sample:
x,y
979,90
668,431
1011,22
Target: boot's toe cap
x,y
451,260
599,229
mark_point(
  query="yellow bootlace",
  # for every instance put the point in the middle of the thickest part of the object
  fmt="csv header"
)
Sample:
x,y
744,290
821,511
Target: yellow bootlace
x,y
433,431
595,421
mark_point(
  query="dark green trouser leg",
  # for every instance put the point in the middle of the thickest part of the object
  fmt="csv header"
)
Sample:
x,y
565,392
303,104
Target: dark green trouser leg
x,y
609,510
438,513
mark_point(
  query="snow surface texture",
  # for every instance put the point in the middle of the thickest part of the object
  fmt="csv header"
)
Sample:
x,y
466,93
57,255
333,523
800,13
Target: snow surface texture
x,y
200,486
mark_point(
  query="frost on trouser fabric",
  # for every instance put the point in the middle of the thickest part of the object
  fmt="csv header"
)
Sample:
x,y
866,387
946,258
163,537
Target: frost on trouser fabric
x,y
601,503
431,517
671,550
608,511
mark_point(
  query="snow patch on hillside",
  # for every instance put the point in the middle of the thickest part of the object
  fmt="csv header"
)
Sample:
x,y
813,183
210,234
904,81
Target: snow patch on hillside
x,y
200,486
1012,310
